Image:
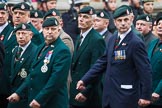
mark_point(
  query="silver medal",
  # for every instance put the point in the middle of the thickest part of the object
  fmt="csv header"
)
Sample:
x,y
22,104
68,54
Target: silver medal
x,y
23,73
44,68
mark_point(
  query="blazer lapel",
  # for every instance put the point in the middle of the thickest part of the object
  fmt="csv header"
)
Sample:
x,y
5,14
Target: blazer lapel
x,y
151,48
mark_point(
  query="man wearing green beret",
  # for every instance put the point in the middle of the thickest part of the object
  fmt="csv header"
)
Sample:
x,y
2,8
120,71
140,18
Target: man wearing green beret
x,y
5,30
22,58
144,26
155,56
88,48
127,82
21,14
36,19
101,23
148,6
47,82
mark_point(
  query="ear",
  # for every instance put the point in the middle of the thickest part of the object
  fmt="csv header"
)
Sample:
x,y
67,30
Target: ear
x,y
115,22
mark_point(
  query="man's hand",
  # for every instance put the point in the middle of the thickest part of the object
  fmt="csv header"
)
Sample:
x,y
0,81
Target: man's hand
x,y
155,97
80,97
143,102
13,98
34,104
80,85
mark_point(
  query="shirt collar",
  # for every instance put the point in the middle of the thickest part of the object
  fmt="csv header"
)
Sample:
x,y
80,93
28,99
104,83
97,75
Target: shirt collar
x,y
123,35
85,33
103,31
3,26
24,47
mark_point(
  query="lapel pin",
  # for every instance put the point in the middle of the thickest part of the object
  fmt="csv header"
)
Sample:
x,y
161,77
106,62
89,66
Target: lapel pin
x,y
124,44
160,50
52,46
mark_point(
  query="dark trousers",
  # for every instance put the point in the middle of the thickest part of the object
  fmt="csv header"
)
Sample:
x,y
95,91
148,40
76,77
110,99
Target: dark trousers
x,y
154,106
3,101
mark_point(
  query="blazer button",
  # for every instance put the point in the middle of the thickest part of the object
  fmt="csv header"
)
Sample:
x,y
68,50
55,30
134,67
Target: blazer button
x,y
31,88
31,78
79,63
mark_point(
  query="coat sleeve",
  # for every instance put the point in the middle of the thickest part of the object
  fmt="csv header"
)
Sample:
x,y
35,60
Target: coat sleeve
x,y
97,51
143,68
60,69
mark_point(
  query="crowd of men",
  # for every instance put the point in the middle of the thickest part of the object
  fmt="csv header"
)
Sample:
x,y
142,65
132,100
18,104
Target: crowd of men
x,y
83,58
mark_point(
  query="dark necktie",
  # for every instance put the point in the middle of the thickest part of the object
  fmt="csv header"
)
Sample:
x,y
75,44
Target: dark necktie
x,y
44,48
117,42
79,42
18,53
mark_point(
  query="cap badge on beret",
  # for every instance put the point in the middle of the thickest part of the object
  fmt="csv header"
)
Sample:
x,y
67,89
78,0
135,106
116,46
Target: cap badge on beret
x,y
91,12
36,14
54,13
5,7
23,26
106,0
127,12
102,14
56,22
22,6
147,18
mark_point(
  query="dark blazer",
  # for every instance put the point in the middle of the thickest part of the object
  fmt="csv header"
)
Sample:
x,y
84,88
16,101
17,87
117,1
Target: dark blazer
x,y
2,55
156,62
123,76
106,36
17,77
90,50
6,32
49,88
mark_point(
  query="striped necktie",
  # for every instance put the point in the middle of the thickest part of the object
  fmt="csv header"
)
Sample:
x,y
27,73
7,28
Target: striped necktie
x,y
18,53
117,42
79,41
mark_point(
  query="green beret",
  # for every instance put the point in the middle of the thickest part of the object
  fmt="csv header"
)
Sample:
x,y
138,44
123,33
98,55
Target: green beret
x,y
36,14
3,6
144,17
121,11
23,26
102,14
21,6
144,1
50,22
87,10
52,12
158,19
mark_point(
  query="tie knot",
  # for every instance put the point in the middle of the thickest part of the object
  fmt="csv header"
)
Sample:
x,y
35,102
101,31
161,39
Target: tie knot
x,y
20,49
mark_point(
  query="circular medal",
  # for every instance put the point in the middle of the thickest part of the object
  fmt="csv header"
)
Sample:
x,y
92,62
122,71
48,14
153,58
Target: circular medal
x,y
44,68
23,73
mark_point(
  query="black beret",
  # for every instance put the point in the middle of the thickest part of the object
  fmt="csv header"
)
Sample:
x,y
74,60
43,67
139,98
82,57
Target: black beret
x,y
50,22
87,10
36,14
102,14
123,10
21,6
3,6
144,17
23,26
52,12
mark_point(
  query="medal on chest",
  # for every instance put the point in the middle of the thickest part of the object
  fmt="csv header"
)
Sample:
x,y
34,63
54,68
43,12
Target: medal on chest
x,y
46,61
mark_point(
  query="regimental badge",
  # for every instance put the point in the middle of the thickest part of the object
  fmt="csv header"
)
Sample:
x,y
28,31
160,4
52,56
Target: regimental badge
x,y
91,12
22,6
5,7
128,12
2,38
23,73
147,18
44,68
23,26
54,13
102,14
56,22
36,14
